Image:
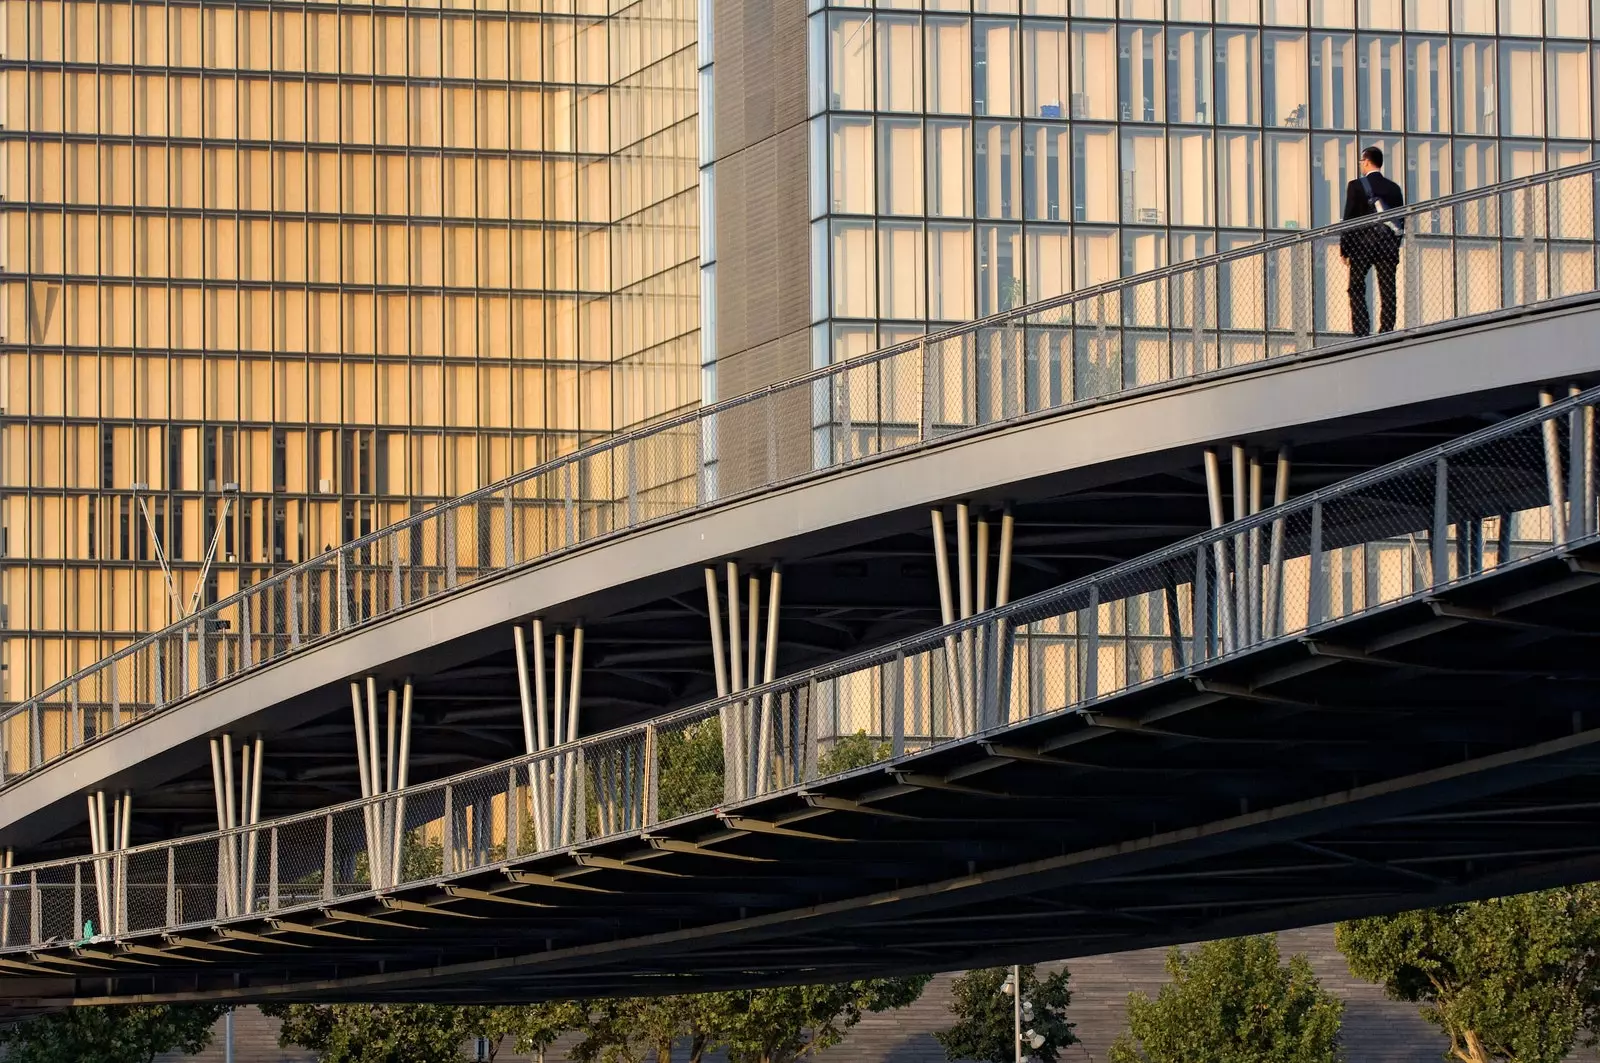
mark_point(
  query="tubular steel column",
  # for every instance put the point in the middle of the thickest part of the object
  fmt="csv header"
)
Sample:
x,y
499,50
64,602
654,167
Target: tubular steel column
x,y
964,591
769,673
734,779
403,779
1273,622
1223,585
1553,474
941,559
1241,560
364,773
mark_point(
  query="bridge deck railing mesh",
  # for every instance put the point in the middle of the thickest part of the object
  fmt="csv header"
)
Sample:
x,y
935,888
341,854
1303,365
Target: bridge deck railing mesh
x,y
1515,494
1471,257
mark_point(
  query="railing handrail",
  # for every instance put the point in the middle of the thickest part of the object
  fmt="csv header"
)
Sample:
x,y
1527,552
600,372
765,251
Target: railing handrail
x,y
1184,549
820,374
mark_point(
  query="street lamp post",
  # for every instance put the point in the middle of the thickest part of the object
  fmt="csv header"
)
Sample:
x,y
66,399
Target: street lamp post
x,y
1016,1009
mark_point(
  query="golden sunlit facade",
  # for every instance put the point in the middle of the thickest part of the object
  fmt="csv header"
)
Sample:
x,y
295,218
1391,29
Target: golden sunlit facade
x,y
276,275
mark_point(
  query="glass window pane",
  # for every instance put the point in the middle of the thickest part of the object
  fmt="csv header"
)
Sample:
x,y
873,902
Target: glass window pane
x,y
1525,18
1239,180
1521,89
1566,18
1238,77
900,166
1145,9
1477,164
851,158
1380,85
850,61
1194,10
1284,62
1333,14
1192,182
1567,71
1288,180
949,62
1044,69
999,268
1286,12
1475,94
1144,177
950,293
899,63
1427,16
901,265
1332,158
1239,11
1094,8
1189,74
1094,254
1141,74
1094,174
1046,172
1428,170
1378,14
1094,72
854,259
1428,85
994,67
1333,81
997,170
949,169
1475,16
1049,251
1142,252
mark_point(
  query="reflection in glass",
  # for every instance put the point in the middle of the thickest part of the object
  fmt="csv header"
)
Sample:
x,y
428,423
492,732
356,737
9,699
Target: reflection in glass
x,y
1141,74
1189,74
899,62
1475,92
1044,69
1284,75
1046,171
997,169
900,166
1094,174
1333,83
850,61
1094,72
1192,186
994,67
999,268
1144,177
1381,86
1428,85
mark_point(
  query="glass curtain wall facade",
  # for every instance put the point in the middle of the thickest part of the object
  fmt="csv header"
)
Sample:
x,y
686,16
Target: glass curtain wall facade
x,y
970,155
276,275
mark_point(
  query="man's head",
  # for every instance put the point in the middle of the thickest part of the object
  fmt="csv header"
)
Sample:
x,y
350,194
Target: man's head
x,y
1371,160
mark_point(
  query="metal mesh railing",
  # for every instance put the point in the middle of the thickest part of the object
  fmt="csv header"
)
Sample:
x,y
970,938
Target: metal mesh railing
x,y
1522,490
1518,245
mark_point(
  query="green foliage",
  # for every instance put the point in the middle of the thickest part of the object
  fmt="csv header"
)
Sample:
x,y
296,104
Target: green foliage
x,y
793,1022
690,769
129,1034
986,1022
850,752
1515,979
1233,1001
637,1030
374,1033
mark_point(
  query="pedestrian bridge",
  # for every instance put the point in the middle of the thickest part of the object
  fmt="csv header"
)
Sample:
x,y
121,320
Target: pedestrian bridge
x,y
1084,415
1373,696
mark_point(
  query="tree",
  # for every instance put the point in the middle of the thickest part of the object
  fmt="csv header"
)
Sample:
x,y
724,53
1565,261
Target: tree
x,y
1233,1001
790,1023
986,1022
127,1034
637,1030
1515,979
375,1033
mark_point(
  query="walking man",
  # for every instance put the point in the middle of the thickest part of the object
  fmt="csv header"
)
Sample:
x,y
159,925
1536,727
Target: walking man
x,y
1372,247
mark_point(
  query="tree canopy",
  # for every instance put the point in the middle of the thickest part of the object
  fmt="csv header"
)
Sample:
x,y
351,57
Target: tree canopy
x,y
986,1024
1233,1001
415,1033
123,1034
1514,979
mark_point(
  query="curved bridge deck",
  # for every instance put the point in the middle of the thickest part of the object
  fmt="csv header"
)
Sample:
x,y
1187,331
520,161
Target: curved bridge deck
x,y
1500,292
1376,696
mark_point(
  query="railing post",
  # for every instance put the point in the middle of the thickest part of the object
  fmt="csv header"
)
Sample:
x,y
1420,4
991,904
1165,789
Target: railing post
x,y
1091,644
327,859
511,526
339,577
1553,475
247,656
1315,605
1201,605
1441,522
651,799
447,840
448,533
294,610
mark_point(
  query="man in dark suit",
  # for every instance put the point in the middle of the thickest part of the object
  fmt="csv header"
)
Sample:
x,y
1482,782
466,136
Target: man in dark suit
x,y
1372,247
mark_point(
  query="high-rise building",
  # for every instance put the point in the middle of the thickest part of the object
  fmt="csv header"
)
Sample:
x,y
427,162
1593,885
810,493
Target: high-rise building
x,y
355,258
275,275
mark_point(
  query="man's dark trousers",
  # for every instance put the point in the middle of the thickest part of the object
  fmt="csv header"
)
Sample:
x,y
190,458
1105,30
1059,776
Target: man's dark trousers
x,y
1377,248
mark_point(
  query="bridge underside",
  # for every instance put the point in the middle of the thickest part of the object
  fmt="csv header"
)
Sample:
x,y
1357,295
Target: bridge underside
x,y
1435,750
649,653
